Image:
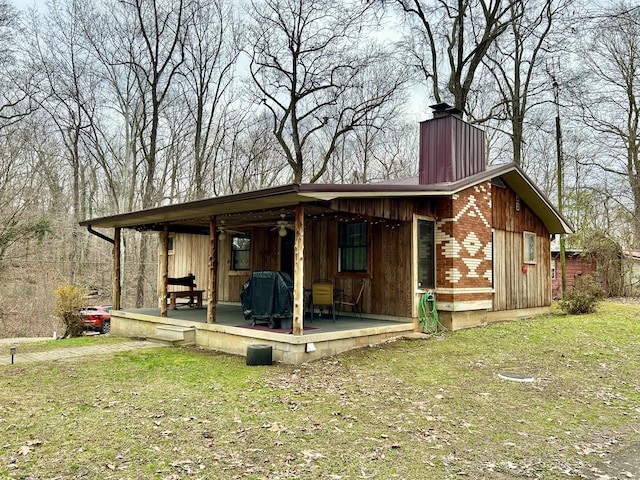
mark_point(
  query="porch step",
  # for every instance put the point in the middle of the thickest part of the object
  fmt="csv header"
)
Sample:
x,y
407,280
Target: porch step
x,y
174,335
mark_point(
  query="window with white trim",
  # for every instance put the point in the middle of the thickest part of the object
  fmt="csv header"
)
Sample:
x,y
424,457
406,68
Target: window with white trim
x,y
529,247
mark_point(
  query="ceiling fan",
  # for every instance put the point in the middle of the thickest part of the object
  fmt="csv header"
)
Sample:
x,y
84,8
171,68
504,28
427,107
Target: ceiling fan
x,y
223,230
282,225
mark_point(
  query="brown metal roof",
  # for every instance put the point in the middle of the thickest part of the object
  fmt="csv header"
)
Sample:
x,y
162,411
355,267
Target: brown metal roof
x,y
266,205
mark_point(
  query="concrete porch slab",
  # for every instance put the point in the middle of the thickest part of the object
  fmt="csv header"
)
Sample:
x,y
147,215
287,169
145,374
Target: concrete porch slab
x,y
228,335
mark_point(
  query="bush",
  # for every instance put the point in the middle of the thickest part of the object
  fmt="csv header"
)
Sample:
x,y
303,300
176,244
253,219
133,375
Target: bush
x,y
583,298
69,302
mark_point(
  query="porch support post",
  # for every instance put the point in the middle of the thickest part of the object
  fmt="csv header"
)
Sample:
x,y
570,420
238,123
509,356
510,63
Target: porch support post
x,y
298,272
164,270
212,292
117,283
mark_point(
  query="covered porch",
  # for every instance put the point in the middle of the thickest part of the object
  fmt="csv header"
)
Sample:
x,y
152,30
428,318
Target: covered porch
x,y
321,337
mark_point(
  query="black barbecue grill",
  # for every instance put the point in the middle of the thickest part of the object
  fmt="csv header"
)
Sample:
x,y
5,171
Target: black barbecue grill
x,y
267,297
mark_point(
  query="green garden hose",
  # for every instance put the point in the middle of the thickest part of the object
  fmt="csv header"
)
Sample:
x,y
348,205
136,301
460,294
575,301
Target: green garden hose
x,y
428,315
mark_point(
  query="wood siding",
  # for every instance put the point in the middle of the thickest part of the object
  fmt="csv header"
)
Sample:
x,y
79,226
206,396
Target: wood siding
x,y
190,255
518,285
388,281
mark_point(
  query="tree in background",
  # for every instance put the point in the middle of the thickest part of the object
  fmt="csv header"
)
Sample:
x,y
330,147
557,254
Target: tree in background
x,y
610,106
448,41
314,67
16,86
516,63
69,82
211,53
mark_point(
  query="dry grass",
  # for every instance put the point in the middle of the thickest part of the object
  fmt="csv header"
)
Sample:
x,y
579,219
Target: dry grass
x,y
410,409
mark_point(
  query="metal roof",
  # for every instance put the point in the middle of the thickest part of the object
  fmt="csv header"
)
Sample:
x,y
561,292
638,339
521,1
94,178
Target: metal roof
x,y
267,204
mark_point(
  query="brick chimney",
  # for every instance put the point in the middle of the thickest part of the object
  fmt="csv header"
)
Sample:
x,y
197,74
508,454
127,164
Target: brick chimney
x,y
450,148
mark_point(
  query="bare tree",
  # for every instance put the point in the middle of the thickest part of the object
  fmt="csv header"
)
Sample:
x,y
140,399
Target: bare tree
x,y
69,83
20,190
158,32
610,104
451,39
211,52
517,64
308,61
16,87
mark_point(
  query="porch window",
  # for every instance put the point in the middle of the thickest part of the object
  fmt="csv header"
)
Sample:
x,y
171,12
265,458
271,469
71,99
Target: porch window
x,y
529,247
426,254
241,251
353,251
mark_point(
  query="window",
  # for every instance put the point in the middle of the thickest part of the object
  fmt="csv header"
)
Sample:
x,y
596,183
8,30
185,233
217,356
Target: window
x,y
426,254
353,249
529,253
241,251
170,244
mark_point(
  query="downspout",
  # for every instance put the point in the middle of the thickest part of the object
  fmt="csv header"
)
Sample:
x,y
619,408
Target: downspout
x,y
100,235
117,287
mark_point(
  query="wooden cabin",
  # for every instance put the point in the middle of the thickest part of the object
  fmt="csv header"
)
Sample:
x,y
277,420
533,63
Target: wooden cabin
x,y
476,236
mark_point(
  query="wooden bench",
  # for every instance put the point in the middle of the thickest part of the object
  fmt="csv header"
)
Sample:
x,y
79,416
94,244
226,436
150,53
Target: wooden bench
x,y
194,296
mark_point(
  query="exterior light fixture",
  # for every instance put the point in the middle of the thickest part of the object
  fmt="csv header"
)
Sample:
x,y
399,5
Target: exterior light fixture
x,y
282,231
13,352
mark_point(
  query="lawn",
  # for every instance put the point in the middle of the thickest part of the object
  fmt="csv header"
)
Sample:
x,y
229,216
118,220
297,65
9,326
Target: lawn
x,y
411,409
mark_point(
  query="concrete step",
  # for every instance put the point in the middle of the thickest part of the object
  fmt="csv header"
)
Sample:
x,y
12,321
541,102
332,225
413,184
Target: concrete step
x,y
174,335
166,340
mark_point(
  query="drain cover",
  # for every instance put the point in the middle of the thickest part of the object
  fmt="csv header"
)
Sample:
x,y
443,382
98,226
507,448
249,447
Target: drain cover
x,y
516,377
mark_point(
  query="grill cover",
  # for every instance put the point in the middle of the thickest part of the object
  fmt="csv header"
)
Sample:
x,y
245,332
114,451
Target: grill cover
x,y
267,294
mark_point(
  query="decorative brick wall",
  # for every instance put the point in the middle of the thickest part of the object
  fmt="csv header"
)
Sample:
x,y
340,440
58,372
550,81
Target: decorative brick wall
x,y
464,250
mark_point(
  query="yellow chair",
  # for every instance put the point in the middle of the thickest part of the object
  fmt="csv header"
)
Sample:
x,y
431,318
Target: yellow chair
x,y
354,300
322,296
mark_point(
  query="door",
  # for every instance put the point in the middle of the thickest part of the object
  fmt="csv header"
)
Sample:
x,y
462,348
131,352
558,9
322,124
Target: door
x,y
287,244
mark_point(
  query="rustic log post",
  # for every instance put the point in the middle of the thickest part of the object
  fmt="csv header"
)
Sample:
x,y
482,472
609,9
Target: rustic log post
x,y
298,272
117,283
212,292
164,270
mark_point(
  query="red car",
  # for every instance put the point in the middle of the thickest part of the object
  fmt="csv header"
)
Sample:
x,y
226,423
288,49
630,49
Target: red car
x,y
97,318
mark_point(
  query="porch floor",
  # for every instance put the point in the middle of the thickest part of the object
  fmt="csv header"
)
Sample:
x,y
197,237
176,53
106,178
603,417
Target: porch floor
x,y
321,337
229,314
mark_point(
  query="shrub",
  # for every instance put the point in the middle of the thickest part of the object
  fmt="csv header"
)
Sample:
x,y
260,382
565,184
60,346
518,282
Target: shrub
x,y
69,301
583,298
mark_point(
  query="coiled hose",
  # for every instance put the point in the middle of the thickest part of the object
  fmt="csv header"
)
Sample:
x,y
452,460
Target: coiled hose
x,y
428,315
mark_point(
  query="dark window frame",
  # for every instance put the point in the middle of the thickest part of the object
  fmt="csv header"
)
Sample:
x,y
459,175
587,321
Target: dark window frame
x,y
426,280
240,254
353,257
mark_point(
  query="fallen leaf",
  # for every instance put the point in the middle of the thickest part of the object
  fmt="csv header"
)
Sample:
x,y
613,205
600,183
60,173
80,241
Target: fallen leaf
x,y
24,450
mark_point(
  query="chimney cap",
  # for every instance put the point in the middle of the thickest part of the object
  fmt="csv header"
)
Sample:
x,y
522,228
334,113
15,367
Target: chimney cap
x,y
444,110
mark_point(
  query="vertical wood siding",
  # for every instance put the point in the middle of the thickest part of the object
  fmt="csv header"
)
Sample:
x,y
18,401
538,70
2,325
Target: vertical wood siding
x,y
513,288
388,282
